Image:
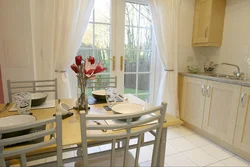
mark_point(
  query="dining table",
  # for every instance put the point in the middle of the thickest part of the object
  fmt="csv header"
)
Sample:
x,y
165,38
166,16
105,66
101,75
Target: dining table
x,y
71,131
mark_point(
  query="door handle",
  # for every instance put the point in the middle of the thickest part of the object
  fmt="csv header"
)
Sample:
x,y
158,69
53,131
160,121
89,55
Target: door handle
x,y
242,99
113,63
208,91
121,62
202,90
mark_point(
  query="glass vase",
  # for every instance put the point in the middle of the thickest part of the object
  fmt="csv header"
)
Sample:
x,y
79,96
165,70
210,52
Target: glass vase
x,y
82,97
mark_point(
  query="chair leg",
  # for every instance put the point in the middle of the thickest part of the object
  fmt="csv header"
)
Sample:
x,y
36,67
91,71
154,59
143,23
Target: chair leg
x,y
162,148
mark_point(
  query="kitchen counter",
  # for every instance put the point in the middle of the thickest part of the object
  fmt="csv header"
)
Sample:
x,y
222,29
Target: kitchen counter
x,y
218,79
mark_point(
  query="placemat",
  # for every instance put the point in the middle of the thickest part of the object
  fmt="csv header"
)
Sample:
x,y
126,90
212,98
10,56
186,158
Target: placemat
x,y
46,104
92,100
107,108
66,115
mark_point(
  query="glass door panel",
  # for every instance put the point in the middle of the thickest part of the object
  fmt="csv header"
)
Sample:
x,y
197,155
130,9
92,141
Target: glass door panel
x,y
138,50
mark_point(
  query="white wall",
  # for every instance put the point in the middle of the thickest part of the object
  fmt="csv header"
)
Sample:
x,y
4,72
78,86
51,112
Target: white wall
x,y
16,57
236,38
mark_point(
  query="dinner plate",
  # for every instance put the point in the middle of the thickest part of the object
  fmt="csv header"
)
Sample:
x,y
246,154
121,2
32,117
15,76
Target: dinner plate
x,y
16,120
127,108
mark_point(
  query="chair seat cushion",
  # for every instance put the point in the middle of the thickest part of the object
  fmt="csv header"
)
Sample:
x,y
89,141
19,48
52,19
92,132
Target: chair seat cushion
x,y
104,160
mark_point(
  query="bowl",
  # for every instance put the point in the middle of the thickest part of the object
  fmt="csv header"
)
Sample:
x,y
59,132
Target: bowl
x,y
38,98
99,95
193,69
127,108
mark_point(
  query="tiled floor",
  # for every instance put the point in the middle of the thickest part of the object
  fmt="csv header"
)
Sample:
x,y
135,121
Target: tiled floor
x,y
184,148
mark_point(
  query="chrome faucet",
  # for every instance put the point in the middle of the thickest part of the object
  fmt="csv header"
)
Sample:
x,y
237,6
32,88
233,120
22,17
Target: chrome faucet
x,y
237,74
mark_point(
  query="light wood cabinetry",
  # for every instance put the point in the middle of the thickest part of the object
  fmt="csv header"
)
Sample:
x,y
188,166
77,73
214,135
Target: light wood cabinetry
x,y
220,111
242,131
193,99
208,22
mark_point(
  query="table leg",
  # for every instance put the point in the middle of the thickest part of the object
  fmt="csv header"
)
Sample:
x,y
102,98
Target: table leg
x,y
162,149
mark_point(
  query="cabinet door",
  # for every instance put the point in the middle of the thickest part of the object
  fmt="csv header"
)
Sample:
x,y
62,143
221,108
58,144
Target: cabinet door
x,y
193,99
242,131
221,110
202,21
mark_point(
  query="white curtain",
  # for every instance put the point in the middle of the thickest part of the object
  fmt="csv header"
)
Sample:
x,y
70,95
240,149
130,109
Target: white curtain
x,y
165,26
57,29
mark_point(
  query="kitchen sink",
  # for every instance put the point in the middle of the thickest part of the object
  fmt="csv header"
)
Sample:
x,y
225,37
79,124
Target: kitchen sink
x,y
227,76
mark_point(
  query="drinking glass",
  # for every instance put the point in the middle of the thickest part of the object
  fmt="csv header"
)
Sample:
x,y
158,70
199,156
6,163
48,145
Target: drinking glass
x,y
23,102
111,94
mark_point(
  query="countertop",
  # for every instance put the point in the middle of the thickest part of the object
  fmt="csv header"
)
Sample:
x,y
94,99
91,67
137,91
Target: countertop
x,y
218,79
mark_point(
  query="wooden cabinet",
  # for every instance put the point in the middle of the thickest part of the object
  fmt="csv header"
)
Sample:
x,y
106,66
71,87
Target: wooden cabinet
x,y
220,112
242,131
193,99
208,22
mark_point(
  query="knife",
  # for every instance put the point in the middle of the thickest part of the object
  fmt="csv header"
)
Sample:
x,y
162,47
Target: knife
x,y
5,107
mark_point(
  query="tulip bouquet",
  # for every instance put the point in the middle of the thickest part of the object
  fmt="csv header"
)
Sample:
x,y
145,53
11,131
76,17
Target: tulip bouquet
x,y
85,69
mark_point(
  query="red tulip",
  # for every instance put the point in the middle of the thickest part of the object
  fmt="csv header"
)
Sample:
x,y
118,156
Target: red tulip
x,y
91,59
74,68
78,60
99,68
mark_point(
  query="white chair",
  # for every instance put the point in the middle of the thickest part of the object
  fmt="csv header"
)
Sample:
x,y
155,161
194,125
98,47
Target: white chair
x,y
20,152
120,156
102,82
46,86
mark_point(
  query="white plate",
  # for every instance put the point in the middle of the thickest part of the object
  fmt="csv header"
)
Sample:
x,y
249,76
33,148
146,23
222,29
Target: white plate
x,y
16,120
38,95
99,92
127,108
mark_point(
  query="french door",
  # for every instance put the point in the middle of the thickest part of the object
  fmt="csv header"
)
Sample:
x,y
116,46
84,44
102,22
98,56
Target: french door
x,y
120,33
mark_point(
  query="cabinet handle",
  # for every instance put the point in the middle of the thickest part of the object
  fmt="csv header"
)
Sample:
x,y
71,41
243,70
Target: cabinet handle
x,y
206,32
242,99
202,90
208,91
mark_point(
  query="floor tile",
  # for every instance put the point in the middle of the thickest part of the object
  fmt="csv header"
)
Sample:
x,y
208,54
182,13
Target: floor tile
x,y
145,154
235,161
172,134
200,157
105,147
93,150
181,130
170,149
197,140
182,144
148,137
145,164
72,164
217,152
178,160
217,164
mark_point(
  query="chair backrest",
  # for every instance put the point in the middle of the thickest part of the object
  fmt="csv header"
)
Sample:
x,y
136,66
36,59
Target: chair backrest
x,y
53,135
127,130
102,82
46,86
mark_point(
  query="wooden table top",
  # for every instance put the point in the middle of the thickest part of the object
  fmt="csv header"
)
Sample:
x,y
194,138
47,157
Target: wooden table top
x,y
71,126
